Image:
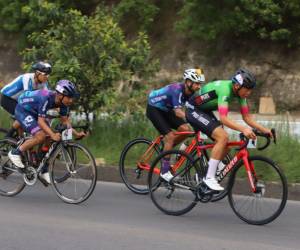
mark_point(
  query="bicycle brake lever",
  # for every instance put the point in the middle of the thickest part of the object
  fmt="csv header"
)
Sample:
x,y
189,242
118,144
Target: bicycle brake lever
x,y
273,131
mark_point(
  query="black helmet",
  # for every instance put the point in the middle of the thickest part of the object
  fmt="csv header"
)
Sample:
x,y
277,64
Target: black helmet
x,y
67,88
244,78
42,67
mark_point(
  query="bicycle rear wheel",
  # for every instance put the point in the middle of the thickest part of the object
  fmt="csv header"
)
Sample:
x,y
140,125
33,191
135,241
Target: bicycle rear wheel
x,y
73,180
133,175
178,196
270,198
11,180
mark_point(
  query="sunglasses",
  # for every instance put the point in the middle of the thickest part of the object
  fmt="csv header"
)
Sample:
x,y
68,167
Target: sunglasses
x,y
43,73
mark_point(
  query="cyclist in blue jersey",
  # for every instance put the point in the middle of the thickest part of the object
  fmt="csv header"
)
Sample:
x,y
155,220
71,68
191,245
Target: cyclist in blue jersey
x,y
31,114
25,82
165,111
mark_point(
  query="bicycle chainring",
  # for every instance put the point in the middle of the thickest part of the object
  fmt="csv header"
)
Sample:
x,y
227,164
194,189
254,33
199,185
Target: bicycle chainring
x,y
30,176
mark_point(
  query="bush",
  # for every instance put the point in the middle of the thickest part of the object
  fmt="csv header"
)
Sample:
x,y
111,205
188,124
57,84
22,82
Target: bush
x,y
275,20
92,52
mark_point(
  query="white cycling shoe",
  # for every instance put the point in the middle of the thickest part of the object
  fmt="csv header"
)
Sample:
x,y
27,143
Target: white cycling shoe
x,y
46,177
16,159
213,184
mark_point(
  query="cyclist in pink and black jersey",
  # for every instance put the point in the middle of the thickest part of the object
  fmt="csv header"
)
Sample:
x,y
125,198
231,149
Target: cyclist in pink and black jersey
x,y
216,96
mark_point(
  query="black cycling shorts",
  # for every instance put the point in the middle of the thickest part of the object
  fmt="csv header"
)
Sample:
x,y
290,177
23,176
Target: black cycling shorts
x,y
8,104
201,121
163,121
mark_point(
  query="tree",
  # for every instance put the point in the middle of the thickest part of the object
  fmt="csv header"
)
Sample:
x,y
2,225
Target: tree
x,y
275,20
92,52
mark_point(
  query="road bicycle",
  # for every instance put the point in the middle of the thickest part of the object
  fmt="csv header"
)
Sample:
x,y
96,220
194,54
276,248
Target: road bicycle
x,y
72,168
137,156
256,187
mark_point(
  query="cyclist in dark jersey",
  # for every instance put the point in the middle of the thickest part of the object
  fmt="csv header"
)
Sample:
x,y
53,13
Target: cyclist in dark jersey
x,y
165,111
218,95
31,114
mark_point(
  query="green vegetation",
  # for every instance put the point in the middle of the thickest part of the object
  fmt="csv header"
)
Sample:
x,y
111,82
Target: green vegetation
x,y
142,10
92,52
275,20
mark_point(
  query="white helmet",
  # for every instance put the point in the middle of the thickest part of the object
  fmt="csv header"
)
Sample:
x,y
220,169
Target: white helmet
x,y
195,75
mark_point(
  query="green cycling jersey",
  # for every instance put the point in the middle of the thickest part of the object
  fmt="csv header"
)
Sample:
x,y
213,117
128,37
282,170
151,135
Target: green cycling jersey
x,y
217,95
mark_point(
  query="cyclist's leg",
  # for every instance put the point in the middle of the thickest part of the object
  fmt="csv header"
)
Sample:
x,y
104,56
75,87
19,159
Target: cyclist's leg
x,y
218,151
161,121
29,124
206,123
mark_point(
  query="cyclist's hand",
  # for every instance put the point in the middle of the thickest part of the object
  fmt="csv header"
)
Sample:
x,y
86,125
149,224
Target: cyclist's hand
x,y
267,131
56,137
249,133
81,134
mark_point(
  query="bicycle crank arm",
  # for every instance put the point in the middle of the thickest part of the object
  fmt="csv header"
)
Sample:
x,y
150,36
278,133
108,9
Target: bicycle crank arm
x,y
182,186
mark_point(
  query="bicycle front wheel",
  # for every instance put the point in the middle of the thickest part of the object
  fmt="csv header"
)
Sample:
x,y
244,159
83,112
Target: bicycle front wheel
x,y
264,205
135,162
73,172
178,196
11,180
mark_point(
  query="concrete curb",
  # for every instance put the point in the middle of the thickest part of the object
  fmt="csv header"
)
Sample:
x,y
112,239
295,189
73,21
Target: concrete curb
x,y
111,174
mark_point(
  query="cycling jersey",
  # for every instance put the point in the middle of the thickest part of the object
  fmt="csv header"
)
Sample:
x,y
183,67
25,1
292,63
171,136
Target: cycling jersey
x,y
169,97
20,84
38,102
216,96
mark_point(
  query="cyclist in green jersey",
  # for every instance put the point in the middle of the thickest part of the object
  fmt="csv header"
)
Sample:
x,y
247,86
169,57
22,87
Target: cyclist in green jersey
x,y
218,95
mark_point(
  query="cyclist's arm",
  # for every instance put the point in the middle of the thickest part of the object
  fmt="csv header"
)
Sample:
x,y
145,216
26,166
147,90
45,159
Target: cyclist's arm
x,y
223,111
179,113
248,118
66,121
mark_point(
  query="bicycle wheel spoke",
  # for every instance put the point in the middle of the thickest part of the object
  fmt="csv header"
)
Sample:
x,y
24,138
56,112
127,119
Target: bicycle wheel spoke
x,y
264,205
11,182
135,161
176,197
75,173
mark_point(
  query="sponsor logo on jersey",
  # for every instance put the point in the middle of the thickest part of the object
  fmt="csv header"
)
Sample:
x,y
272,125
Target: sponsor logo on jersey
x,y
201,99
158,99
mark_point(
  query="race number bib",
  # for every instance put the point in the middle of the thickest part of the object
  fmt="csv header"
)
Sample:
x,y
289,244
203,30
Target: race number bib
x,y
252,143
67,135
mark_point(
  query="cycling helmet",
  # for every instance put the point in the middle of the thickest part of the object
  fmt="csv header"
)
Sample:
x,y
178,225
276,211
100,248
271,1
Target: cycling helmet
x,y
244,78
195,75
67,88
42,67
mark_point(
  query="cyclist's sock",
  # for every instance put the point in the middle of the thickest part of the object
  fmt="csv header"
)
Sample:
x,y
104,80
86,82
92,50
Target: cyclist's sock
x,y
212,168
44,168
165,165
183,146
16,151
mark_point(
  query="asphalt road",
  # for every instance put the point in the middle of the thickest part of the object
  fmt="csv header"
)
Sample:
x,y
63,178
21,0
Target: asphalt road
x,y
115,218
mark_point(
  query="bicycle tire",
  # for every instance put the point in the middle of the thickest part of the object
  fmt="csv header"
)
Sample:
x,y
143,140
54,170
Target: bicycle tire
x,y
169,198
135,178
269,179
11,181
82,174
